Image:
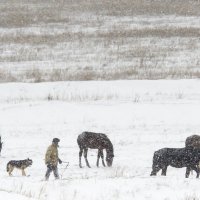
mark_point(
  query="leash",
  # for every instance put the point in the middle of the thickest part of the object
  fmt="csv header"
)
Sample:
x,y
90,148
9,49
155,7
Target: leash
x,y
67,164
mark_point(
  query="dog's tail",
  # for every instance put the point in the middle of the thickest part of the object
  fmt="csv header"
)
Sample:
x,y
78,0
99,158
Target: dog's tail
x,y
7,168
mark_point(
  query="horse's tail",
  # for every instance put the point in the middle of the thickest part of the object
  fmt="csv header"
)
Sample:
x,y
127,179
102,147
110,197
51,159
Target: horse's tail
x,y
159,157
156,157
156,163
79,140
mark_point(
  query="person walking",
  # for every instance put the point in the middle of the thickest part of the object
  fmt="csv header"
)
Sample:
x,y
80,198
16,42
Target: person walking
x,y
52,159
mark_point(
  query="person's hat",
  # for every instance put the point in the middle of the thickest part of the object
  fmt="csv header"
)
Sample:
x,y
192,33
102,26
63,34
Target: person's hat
x,y
56,140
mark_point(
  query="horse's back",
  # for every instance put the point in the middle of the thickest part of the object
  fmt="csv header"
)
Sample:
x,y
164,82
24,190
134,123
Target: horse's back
x,y
91,139
169,152
88,135
86,138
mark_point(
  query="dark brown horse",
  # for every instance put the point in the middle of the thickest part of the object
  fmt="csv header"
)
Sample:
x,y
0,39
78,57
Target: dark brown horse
x,y
95,141
176,157
193,141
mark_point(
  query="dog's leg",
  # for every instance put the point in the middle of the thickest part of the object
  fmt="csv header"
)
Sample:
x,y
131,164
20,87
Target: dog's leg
x,y
23,172
11,168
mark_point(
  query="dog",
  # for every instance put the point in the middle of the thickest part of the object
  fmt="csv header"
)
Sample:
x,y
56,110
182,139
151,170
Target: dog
x,y
19,164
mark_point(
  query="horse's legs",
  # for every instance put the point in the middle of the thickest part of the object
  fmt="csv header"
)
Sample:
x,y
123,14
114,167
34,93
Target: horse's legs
x,y
85,155
98,156
80,155
102,157
196,169
187,173
164,171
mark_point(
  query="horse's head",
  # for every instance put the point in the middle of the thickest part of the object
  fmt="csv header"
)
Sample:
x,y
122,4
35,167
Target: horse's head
x,y
109,158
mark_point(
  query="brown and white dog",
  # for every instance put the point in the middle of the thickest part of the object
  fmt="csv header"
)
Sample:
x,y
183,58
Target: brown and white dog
x,y
19,164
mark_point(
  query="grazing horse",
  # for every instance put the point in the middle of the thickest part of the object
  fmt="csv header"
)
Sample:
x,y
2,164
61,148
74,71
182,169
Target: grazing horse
x,y
1,144
193,141
176,157
95,141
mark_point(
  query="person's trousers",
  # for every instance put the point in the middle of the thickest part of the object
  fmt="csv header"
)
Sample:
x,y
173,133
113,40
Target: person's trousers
x,y
51,168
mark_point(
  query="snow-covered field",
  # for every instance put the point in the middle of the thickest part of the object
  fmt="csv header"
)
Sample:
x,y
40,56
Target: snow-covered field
x,y
98,40
138,116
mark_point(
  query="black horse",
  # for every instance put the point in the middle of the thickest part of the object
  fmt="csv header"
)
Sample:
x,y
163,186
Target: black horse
x,y
193,141
1,144
176,157
95,141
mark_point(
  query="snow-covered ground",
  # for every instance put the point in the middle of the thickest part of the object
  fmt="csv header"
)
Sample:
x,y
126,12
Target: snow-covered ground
x,y
138,116
87,46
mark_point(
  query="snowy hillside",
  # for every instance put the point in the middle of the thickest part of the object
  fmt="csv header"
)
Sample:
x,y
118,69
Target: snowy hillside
x,y
138,116
98,40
